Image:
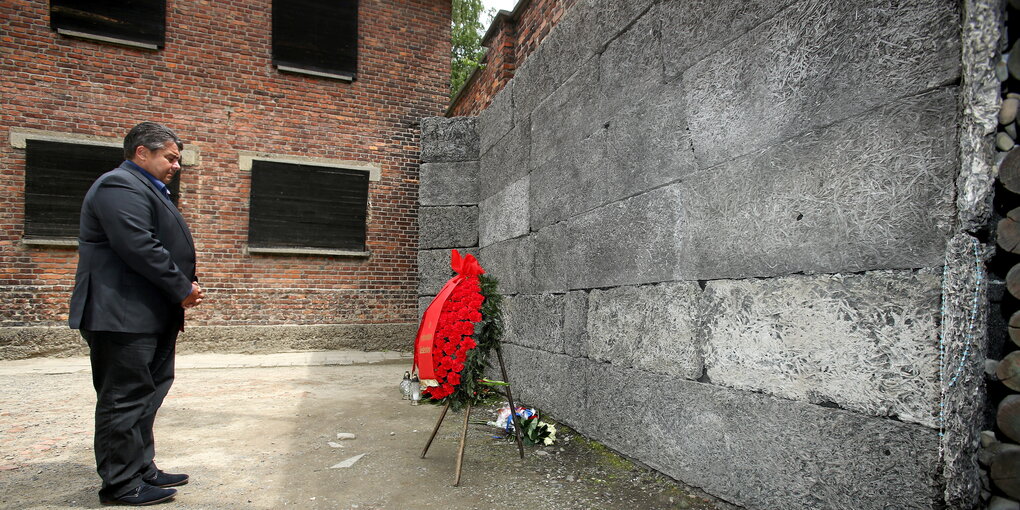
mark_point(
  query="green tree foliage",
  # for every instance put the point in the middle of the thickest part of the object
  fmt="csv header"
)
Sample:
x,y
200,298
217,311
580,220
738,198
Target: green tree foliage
x,y
467,52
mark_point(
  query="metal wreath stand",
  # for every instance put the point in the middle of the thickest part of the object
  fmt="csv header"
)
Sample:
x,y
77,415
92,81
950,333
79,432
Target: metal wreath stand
x,y
423,357
467,415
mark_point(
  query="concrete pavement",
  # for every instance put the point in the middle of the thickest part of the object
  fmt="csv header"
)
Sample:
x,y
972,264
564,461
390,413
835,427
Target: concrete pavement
x,y
261,431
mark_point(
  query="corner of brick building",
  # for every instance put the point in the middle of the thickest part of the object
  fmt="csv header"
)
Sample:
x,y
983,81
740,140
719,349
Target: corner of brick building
x,y
222,94
511,40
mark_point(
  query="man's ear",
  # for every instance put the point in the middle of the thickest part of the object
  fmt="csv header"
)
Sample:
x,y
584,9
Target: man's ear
x,y
141,152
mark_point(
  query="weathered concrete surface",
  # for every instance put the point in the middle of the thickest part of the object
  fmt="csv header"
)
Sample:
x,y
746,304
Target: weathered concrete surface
x,y
862,342
534,321
981,99
551,381
962,379
766,452
586,31
630,69
772,453
815,63
569,114
34,341
507,161
650,327
497,119
632,241
251,339
575,324
505,215
454,183
512,262
572,181
449,139
648,143
695,29
642,147
447,227
253,434
28,342
846,198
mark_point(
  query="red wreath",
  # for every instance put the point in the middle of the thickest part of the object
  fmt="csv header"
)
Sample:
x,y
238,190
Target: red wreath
x,y
445,335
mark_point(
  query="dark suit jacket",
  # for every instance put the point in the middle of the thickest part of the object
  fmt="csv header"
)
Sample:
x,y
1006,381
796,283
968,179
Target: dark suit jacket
x,y
136,258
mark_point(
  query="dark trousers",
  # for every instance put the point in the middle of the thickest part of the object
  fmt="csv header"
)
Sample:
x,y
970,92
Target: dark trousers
x,y
132,374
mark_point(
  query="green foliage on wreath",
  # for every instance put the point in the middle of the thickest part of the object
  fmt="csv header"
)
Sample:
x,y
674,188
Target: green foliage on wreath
x,y
487,336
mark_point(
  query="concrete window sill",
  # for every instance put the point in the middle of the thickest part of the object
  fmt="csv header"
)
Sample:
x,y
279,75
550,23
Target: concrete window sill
x,y
55,242
112,40
298,70
309,251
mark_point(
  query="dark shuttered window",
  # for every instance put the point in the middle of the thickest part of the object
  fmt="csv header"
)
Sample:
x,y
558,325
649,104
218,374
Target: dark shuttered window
x,y
307,206
136,22
57,176
316,37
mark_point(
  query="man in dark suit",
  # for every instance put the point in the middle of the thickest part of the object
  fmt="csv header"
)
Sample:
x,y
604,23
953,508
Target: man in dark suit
x,y
136,275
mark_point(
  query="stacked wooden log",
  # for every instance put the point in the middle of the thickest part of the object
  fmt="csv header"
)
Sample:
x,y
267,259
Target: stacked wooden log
x,y
999,455
1000,452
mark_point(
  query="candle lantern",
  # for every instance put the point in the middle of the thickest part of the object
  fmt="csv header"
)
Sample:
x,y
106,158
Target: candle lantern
x,y
405,386
415,390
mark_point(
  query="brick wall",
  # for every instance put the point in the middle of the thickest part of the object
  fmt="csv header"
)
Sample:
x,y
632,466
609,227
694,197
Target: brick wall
x,y
214,84
511,38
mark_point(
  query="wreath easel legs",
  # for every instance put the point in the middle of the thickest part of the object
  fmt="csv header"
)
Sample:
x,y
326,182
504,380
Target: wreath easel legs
x,y
467,415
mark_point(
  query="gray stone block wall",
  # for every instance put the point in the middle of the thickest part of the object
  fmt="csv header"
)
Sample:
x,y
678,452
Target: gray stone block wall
x,y
448,199
449,140
861,342
575,324
506,161
630,69
632,241
755,450
497,119
571,113
447,227
535,321
448,183
584,33
434,269
697,28
654,328
814,63
504,215
720,230
870,192
513,263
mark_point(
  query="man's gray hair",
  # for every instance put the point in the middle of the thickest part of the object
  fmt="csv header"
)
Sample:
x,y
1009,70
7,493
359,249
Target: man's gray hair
x,y
152,136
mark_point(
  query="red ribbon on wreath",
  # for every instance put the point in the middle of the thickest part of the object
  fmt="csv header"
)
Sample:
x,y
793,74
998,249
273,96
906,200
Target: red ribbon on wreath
x,y
445,333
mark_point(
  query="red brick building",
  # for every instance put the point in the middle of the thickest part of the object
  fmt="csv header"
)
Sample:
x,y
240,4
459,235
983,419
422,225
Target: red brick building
x,y
510,39
300,165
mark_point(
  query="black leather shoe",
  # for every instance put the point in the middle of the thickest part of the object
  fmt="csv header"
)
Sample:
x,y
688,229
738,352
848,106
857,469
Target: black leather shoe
x,y
167,479
142,495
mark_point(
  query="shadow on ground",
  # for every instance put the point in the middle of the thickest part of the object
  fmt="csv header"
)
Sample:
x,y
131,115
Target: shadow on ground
x,y
261,438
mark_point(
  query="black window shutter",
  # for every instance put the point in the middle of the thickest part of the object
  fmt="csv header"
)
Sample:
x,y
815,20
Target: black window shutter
x,y
307,206
141,21
57,176
316,35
